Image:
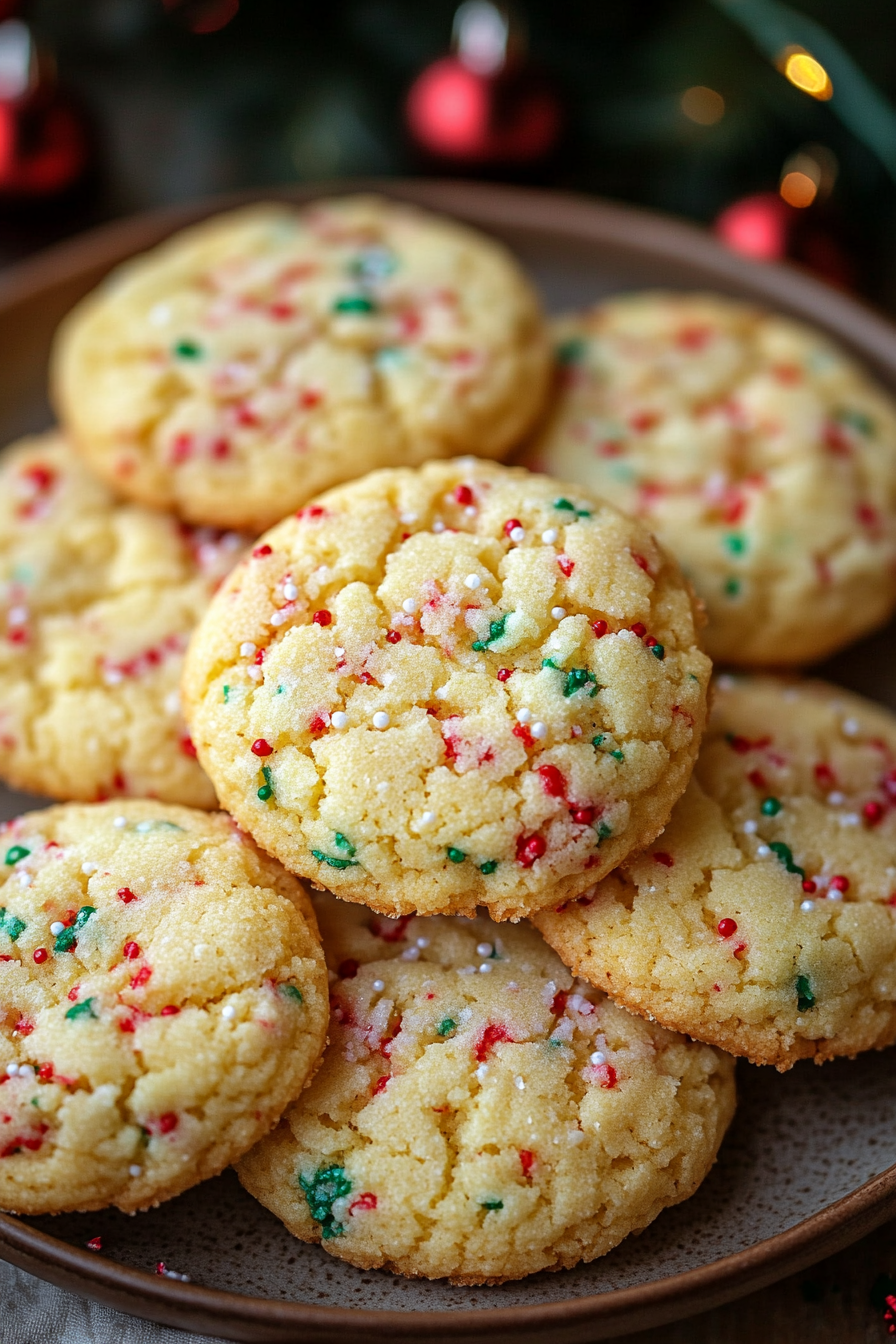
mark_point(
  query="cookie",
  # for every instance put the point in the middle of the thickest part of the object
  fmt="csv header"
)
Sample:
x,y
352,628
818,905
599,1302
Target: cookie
x,y
270,353
163,996
97,600
761,455
479,1115
764,919
457,686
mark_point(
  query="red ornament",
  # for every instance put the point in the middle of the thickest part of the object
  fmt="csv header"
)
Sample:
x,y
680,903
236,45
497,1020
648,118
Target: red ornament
x,y
43,141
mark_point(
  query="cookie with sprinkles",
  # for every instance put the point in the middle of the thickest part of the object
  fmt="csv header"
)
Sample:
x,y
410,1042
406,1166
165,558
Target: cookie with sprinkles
x,y
764,918
270,353
761,455
479,1115
164,998
457,686
97,601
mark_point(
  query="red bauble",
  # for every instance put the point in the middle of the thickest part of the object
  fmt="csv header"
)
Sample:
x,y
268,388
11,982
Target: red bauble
x,y
757,226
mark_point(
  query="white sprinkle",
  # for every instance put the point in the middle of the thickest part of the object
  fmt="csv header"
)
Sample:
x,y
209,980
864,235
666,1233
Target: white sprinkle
x,y
441,692
472,581
290,592
339,719
172,702
56,928
484,949
481,1072
383,786
88,869
159,315
558,613
849,819
411,954
134,1170
427,819
119,823
517,534
381,719
409,606
850,727
199,948
279,618
750,827
485,967
423,942
539,730
762,851
597,1058
407,517
467,970
12,1070
379,985
247,649
519,1084
112,676
339,651
834,895
17,616
144,826
26,1070
550,536
799,1021
470,511
25,879
523,715
836,799
575,1136
228,1011
254,673
438,526
807,907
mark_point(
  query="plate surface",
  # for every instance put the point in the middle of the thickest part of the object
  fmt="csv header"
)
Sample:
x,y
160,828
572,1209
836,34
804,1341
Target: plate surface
x,y
810,1162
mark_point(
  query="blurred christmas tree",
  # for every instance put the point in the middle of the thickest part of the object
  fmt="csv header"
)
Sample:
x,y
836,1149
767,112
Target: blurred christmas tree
x,y
679,105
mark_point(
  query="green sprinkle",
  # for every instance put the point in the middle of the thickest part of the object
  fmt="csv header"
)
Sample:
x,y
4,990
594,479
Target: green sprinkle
x,y
731,587
571,351
658,651
604,831
84,1009
225,691
488,867
856,420
617,755
188,350
785,856
446,1025
343,842
16,853
65,941
291,992
770,807
11,924
492,1204
596,741
568,507
805,998
321,1192
354,303
35,1101
495,632
735,543
577,678
265,792
332,862
456,855
549,662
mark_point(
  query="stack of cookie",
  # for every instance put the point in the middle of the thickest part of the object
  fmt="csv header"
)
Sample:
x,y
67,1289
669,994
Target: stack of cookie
x,y
448,694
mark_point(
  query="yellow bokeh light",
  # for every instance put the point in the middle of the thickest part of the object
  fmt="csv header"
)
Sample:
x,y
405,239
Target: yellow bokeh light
x,y
703,105
798,189
809,75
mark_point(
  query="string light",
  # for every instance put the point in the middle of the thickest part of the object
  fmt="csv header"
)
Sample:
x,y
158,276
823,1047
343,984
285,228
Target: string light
x,y
808,175
806,73
703,105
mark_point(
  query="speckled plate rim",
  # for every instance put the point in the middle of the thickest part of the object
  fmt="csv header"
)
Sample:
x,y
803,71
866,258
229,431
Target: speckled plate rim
x,y
673,253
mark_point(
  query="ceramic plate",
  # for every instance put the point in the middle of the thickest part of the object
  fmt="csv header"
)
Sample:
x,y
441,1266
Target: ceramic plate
x,y
810,1162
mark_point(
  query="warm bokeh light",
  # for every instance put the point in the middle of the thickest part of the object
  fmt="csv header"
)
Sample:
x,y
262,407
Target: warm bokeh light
x,y
807,74
755,226
798,189
703,105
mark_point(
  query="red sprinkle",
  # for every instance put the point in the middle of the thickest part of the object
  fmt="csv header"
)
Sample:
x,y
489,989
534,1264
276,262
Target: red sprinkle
x,y
839,883
132,951
380,1084
582,816
727,927
510,525
638,629
188,747
391,931
644,420
259,657
464,495
757,779
529,848
527,1161
317,724
609,1075
665,859
641,562
558,1003
322,617
809,886
348,969
566,565
599,629
141,977
872,813
505,673
170,1010
261,748
363,1202
490,1037
40,955
45,1072
95,1244
552,781
394,636
521,730
167,1122
261,551
125,894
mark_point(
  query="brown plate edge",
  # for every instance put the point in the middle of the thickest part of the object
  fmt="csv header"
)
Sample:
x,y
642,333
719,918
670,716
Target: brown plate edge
x,y
264,1321
690,255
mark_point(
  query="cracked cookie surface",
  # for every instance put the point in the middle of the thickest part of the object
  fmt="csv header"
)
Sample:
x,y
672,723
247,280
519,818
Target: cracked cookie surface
x,y
163,998
479,1115
267,354
764,918
447,687
761,455
97,601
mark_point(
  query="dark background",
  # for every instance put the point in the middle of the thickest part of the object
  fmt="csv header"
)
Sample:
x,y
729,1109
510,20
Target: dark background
x,y
285,90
